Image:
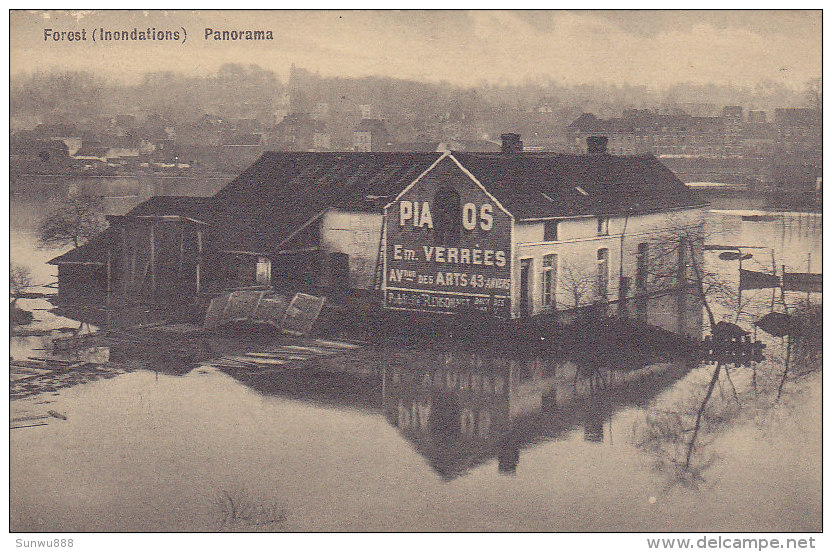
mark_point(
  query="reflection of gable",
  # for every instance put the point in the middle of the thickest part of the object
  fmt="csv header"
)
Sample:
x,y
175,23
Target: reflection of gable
x,y
541,406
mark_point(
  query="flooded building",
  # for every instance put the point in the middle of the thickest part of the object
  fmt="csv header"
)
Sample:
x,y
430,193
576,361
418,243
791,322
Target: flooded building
x,y
511,234
153,251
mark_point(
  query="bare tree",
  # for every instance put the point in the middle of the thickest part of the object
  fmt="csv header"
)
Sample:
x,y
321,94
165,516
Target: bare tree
x,y
676,261
678,435
74,220
580,285
20,279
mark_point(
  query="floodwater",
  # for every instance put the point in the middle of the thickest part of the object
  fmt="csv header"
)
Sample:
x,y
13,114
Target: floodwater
x,y
440,435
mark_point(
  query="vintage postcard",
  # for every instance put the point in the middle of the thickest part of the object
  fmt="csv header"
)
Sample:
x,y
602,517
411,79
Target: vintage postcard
x,y
416,271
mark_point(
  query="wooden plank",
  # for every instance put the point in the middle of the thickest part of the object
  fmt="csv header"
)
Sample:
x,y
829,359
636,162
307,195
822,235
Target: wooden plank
x,y
750,279
336,344
262,355
266,360
30,425
153,257
214,314
241,305
307,349
272,309
302,313
28,418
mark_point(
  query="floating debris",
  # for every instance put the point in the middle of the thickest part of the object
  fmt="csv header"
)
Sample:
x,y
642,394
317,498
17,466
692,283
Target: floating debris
x,y
73,342
734,255
56,414
286,357
295,317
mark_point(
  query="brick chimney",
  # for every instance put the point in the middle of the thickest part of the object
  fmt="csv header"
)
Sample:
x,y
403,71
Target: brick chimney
x,y
596,144
511,143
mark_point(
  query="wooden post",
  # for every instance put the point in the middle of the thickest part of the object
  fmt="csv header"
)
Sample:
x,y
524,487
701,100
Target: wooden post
x,y
181,249
783,289
126,265
134,250
198,259
808,271
109,270
739,290
153,256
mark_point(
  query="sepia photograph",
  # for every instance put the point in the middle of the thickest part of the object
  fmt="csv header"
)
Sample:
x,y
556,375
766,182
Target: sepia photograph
x,y
416,271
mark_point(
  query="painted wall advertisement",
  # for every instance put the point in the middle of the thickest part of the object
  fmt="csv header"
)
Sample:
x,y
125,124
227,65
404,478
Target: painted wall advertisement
x,y
448,250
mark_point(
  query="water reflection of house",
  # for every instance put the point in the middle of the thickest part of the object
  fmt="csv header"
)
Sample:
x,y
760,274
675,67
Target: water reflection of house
x,y
465,409
461,408
432,232
463,404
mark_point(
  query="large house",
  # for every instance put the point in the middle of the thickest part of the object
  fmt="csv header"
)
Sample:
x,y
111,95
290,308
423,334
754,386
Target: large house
x,y
509,233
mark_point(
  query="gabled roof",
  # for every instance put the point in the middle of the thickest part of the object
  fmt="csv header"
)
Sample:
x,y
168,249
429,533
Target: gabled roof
x,y
92,252
263,206
285,192
476,145
185,206
95,250
551,185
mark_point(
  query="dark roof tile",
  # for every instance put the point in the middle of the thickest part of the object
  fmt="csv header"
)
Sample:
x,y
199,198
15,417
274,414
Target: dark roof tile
x,y
259,209
612,184
94,251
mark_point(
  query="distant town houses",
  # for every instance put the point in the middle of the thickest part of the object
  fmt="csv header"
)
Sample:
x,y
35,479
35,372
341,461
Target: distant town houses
x,y
293,133
700,142
731,134
742,148
372,135
640,131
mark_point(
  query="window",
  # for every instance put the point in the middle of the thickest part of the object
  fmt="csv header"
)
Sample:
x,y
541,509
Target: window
x,y
447,217
603,272
642,266
549,280
263,270
603,226
550,230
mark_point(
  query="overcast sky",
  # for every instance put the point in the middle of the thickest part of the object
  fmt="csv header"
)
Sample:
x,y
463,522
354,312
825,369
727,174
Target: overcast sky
x,y
654,48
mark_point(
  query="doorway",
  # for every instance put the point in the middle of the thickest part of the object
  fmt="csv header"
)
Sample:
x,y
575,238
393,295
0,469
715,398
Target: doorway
x,y
525,295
